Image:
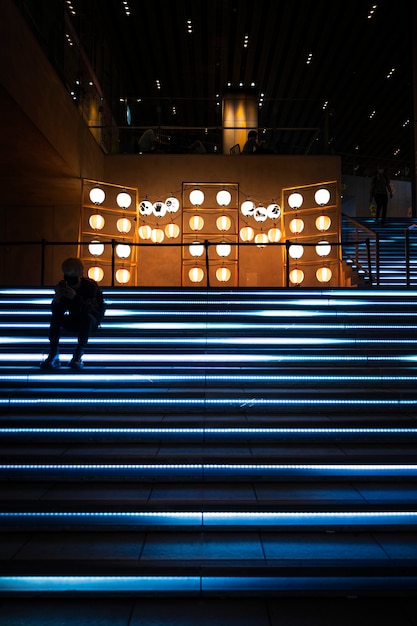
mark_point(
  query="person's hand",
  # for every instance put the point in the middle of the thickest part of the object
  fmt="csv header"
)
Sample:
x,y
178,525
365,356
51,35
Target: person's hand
x,y
62,290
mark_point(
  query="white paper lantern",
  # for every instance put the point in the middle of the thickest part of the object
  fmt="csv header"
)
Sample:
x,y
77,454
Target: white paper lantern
x,y
172,205
295,200
96,221
124,200
296,251
223,197
97,195
247,208
95,273
322,196
96,248
196,197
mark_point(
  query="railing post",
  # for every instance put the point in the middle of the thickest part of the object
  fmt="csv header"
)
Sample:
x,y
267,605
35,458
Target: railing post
x,y
206,248
407,256
287,263
368,254
113,265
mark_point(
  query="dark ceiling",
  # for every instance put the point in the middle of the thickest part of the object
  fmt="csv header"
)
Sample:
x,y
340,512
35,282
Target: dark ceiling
x,y
341,70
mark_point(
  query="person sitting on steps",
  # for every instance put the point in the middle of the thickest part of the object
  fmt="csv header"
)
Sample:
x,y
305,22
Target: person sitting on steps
x,y
78,307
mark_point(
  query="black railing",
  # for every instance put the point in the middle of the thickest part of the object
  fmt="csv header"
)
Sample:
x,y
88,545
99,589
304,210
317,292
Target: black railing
x,y
114,261
361,248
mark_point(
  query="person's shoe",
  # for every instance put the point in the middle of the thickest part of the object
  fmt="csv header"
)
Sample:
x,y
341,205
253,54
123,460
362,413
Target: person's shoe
x,y
76,363
51,363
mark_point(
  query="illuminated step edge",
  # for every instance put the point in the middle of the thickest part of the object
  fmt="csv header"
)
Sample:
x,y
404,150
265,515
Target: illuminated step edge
x,y
185,359
97,377
211,519
207,470
189,403
170,432
203,584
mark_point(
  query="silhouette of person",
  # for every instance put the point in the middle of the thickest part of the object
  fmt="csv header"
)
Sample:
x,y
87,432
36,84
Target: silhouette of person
x,y
251,146
147,142
380,191
78,307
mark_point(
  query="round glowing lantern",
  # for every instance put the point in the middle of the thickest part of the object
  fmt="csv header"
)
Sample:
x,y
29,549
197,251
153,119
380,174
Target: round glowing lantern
x,y
323,223
274,235
96,221
97,195
196,249
296,226
172,205
296,276
172,230
223,274
157,235
323,248
223,223
122,276
296,251
196,198
145,207
223,197
95,273
261,239
223,249
322,196
196,222
96,248
145,232
159,209
124,200
273,211
324,274
123,250
247,233
260,214
295,200
123,225
196,274
247,208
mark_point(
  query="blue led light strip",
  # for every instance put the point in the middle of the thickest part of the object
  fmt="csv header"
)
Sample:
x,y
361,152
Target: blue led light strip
x,y
218,518
246,431
248,402
216,469
160,584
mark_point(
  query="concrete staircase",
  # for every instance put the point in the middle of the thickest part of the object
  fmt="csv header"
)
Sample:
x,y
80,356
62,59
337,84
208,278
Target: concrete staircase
x,y
235,443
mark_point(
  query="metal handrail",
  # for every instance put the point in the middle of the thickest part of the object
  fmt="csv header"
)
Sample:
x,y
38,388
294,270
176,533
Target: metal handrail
x,y
372,235
43,244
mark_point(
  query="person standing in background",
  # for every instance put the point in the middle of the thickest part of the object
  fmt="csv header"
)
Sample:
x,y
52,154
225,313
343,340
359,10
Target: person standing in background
x,y
380,191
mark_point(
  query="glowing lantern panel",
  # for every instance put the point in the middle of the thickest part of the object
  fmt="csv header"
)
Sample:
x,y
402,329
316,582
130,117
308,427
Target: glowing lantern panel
x,y
323,222
296,276
172,205
172,230
97,195
223,223
274,235
96,221
196,249
296,251
196,197
323,248
157,235
261,239
122,276
95,273
223,274
295,200
247,208
296,226
123,250
322,196
324,274
196,222
196,274
223,249
123,225
223,197
145,232
96,248
124,200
